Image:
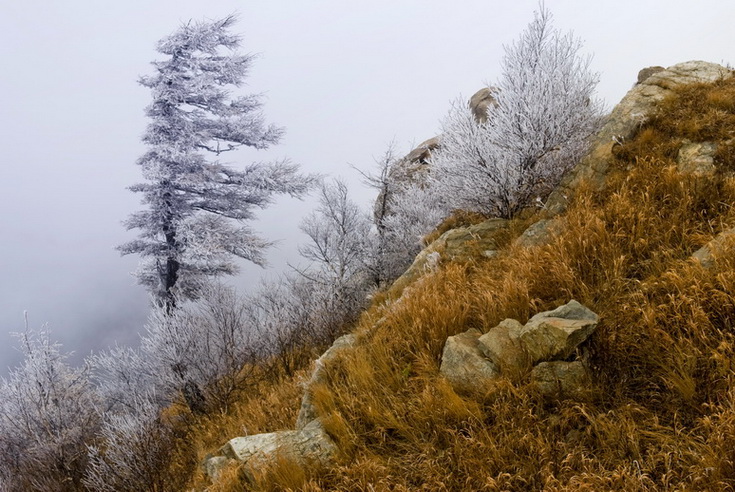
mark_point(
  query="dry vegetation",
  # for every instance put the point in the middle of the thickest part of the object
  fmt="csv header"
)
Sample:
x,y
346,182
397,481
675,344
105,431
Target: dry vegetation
x,y
663,413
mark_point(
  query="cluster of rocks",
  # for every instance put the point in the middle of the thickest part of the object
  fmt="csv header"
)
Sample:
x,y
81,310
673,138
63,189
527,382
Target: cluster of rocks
x,y
545,346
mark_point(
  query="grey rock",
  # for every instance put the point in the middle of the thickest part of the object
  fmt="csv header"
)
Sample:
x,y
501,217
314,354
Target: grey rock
x,y
482,101
645,73
560,379
555,335
308,412
697,158
308,446
464,365
707,254
213,466
502,345
539,233
456,244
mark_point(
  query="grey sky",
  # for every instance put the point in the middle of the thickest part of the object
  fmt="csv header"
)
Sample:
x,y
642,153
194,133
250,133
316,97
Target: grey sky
x,y
344,78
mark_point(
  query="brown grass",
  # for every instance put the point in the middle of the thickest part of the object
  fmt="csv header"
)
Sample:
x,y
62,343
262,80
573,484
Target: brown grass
x,y
663,413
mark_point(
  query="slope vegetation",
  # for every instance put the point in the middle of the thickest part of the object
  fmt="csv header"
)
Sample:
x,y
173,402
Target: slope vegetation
x,y
662,412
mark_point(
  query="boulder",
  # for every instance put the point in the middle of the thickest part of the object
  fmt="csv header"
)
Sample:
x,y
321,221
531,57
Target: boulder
x,y
481,102
308,446
308,412
561,379
214,465
502,345
456,244
555,335
464,365
697,158
539,233
645,73
707,254
625,120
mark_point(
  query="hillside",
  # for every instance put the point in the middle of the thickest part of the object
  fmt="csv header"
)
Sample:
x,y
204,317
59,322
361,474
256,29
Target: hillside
x,y
638,233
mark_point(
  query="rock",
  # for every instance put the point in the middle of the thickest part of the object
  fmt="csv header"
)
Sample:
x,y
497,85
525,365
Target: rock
x,y
539,233
464,365
560,379
456,244
420,155
502,345
555,335
625,120
697,158
645,73
308,412
471,361
213,466
481,101
707,254
308,446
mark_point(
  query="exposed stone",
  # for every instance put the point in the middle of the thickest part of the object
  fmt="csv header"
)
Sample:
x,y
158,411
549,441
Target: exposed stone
x,y
464,365
555,335
625,120
420,155
707,254
539,233
308,411
214,465
308,446
481,101
502,345
560,379
697,158
456,244
645,73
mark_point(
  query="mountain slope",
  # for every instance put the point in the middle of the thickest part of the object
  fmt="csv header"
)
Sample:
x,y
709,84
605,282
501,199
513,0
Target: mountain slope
x,y
628,242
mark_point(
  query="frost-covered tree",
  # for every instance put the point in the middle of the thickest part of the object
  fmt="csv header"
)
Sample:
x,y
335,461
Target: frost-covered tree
x,y
200,350
405,211
48,415
545,112
338,231
196,207
137,452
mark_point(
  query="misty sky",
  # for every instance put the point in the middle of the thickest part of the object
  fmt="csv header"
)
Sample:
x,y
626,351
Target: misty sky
x,y
344,78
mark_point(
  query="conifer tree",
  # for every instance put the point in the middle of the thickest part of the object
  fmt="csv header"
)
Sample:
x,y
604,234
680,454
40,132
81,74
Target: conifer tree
x,y
193,225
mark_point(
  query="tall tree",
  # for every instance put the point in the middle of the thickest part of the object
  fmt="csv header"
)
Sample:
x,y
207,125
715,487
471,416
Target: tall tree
x,y
545,112
193,226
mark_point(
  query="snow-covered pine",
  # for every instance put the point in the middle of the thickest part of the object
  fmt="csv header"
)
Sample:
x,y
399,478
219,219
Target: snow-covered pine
x,y
193,226
545,111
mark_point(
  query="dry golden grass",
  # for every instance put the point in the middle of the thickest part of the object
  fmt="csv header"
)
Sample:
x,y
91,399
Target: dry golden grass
x,y
662,416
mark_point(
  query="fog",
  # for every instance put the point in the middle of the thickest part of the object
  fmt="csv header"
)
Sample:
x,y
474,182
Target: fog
x,y
344,78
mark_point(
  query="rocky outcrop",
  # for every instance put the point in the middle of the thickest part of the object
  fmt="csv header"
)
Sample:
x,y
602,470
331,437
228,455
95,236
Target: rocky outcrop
x,y
645,73
484,238
307,445
483,101
697,158
539,233
541,346
626,119
308,412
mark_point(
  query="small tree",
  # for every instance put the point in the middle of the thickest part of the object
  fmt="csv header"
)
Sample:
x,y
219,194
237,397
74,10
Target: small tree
x,y
545,112
193,226
47,418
